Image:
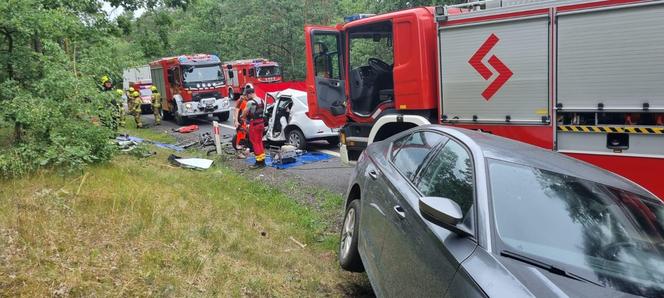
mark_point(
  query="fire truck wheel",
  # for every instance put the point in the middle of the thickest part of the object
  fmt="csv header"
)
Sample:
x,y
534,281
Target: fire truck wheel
x,y
223,117
166,115
334,141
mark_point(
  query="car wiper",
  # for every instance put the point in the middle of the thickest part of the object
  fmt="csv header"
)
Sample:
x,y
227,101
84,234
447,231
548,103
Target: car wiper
x,y
548,267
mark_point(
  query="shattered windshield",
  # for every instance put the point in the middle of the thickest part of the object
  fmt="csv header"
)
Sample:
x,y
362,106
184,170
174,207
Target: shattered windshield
x,y
268,71
197,74
607,234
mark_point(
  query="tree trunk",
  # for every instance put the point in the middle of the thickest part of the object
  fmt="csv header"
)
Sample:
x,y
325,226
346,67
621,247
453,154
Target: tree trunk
x,y
10,49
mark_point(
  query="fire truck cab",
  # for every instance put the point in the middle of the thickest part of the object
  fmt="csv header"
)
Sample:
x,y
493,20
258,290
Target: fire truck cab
x,y
582,77
143,88
249,72
191,86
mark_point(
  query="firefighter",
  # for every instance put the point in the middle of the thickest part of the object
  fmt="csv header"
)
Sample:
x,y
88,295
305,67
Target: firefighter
x,y
254,113
136,108
120,111
130,98
106,83
240,127
156,105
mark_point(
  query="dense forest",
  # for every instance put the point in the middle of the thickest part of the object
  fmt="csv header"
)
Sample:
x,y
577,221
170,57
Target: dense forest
x,y
54,52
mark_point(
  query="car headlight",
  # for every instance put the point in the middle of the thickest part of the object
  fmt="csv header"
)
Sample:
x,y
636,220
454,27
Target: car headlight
x,y
188,106
225,103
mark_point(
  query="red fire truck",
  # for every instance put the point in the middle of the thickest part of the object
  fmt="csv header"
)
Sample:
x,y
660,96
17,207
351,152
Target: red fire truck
x,y
585,78
191,86
249,72
143,87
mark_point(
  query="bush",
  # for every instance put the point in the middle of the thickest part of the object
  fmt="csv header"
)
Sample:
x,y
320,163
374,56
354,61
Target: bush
x,y
55,119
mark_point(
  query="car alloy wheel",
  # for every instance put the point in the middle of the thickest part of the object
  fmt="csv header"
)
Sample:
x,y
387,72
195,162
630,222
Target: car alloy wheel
x,y
296,138
347,232
349,256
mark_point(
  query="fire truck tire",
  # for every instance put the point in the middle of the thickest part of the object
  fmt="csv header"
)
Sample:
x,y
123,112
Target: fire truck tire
x,y
166,115
334,141
223,117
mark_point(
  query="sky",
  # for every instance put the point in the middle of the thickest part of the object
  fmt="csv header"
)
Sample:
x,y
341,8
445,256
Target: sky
x,y
114,12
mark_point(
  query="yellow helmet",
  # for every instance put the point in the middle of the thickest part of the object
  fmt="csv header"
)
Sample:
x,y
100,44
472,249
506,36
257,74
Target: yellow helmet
x,y
118,91
131,89
135,94
105,79
153,88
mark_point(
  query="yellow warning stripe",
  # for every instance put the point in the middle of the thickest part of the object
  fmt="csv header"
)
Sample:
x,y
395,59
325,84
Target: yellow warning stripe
x,y
605,129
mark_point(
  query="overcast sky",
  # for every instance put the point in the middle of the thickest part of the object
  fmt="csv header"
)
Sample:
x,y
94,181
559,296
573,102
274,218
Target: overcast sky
x,y
115,12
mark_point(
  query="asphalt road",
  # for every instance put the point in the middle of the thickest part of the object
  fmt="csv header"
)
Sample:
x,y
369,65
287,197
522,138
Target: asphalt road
x,y
330,174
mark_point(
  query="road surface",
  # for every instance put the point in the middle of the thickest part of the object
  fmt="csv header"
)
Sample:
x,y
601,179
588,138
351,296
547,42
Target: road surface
x,y
329,174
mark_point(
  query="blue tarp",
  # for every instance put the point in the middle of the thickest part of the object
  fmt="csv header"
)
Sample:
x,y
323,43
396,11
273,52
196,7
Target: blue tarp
x,y
306,158
140,140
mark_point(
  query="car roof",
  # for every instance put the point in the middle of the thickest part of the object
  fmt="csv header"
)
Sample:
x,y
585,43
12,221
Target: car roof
x,y
292,93
500,148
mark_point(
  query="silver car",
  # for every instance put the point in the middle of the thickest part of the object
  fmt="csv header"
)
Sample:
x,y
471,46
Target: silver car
x,y
442,211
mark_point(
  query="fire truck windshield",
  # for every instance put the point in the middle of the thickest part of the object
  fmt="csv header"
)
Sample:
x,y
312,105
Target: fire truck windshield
x,y
197,74
268,71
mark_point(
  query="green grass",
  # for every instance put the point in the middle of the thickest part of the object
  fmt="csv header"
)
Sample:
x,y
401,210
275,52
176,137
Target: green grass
x,y
138,227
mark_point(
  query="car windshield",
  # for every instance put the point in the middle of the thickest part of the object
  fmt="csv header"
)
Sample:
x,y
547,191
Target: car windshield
x,y
196,74
607,234
268,71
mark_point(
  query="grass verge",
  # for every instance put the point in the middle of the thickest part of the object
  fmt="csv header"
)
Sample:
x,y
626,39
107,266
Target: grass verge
x,y
138,227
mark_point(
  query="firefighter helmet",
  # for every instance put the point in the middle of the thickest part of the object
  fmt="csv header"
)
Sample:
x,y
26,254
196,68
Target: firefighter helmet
x,y
135,94
118,91
153,88
131,89
105,79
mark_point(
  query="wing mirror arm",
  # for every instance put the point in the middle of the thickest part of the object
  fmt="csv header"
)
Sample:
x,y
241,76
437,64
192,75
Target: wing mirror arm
x,y
443,212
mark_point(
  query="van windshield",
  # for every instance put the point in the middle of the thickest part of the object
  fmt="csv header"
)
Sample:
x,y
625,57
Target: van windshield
x,y
603,233
197,74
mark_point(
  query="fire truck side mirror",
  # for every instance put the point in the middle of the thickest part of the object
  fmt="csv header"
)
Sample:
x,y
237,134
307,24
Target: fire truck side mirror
x,y
230,74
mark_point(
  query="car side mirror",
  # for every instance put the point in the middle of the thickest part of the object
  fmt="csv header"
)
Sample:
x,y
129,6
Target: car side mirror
x,y
442,212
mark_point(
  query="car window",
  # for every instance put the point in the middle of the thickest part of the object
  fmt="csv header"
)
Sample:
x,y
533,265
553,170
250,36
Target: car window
x,y
613,236
449,175
409,153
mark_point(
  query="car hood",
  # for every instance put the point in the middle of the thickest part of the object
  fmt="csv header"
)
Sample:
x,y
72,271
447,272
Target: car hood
x,y
542,283
506,277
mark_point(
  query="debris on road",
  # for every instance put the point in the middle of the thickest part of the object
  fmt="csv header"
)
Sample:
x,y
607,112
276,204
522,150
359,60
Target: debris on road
x,y
126,143
186,129
190,163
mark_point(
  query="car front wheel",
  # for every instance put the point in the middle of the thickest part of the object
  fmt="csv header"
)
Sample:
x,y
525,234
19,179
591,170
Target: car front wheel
x,y
349,256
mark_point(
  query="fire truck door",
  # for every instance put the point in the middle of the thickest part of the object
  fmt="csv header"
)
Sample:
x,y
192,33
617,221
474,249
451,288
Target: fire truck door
x,y
326,88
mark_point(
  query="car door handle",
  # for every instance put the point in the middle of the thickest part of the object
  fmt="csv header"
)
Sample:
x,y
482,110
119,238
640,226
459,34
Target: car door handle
x,y
373,174
399,211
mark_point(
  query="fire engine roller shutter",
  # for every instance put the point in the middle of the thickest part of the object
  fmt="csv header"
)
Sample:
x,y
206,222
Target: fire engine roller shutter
x,y
521,45
614,57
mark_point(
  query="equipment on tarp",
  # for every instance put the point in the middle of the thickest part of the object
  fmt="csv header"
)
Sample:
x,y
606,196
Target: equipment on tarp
x,y
284,155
